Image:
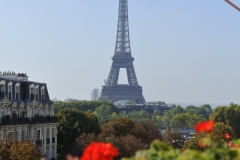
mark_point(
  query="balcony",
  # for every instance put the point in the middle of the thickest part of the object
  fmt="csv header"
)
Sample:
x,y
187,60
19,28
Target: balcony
x,y
7,120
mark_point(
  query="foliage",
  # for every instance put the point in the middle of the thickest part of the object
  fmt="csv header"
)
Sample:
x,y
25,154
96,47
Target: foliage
x,y
210,148
176,110
157,120
185,120
136,115
120,127
104,111
229,115
72,123
19,151
146,131
81,105
158,150
172,138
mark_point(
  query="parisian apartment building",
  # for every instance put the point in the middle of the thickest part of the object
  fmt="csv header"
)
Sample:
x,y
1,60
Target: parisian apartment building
x,y
27,113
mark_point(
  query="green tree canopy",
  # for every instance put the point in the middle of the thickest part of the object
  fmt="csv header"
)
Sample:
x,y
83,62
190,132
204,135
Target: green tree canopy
x,y
72,123
229,115
81,105
136,115
104,112
185,120
176,110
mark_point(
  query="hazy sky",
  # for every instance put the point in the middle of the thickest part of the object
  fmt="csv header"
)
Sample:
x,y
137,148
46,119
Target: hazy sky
x,y
184,50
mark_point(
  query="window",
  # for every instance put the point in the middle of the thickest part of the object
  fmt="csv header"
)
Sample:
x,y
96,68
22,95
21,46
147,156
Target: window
x,y
16,135
17,97
10,92
23,136
38,135
32,93
42,92
37,94
2,88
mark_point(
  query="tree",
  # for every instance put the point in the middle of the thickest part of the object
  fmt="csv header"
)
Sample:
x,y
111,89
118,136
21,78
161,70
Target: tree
x,y
81,105
166,119
146,131
185,120
19,151
119,127
158,122
136,115
104,111
72,123
206,110
82,142
229,115
119,133
158,112
176,110
172,138
192,109
224,128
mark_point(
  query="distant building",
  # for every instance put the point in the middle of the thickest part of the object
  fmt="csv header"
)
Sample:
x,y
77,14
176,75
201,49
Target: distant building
x,y
70,100
27,113
95,94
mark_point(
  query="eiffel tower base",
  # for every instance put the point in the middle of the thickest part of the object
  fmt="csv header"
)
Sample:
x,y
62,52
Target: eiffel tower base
x,y
122,92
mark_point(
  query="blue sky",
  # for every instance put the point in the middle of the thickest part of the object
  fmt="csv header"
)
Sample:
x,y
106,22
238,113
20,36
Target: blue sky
x,y
185,51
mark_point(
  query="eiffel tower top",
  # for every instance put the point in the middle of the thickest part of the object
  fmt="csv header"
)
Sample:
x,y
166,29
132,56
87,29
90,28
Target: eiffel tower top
x,y
122,48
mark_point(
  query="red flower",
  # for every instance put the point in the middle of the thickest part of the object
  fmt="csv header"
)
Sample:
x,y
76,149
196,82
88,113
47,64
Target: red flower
x,y
231,144
99,151
227,135
204,126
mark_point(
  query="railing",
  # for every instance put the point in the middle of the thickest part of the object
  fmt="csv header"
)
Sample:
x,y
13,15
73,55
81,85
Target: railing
x,y
7,120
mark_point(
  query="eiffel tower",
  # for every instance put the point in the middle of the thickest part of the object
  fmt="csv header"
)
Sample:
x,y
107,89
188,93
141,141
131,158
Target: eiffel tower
x,y
122,58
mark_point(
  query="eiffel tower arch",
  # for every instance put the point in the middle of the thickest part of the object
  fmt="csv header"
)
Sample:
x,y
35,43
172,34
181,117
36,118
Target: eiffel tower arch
x,y
122,58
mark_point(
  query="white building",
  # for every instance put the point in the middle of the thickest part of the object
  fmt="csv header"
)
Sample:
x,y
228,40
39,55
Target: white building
x,y
27,113
95,94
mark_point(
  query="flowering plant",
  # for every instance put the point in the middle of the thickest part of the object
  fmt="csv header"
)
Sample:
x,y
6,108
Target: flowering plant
x,y
210,150
99,151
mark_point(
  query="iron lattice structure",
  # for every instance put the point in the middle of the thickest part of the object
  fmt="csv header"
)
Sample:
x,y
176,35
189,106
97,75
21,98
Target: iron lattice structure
x,y
112,91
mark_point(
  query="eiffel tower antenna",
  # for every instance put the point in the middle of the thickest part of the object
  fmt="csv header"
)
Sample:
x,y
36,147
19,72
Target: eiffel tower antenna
x,y
122,58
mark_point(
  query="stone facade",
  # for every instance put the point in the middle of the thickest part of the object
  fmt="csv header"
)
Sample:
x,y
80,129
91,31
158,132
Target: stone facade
x,y
27,113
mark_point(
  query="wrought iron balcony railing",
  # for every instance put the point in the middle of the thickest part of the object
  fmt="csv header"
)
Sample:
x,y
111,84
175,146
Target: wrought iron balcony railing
x,y
7,120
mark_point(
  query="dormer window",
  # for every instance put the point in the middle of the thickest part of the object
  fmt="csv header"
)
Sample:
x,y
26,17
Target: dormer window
x,y
2,88
17,91
32,92
36,93
10,90
43,93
